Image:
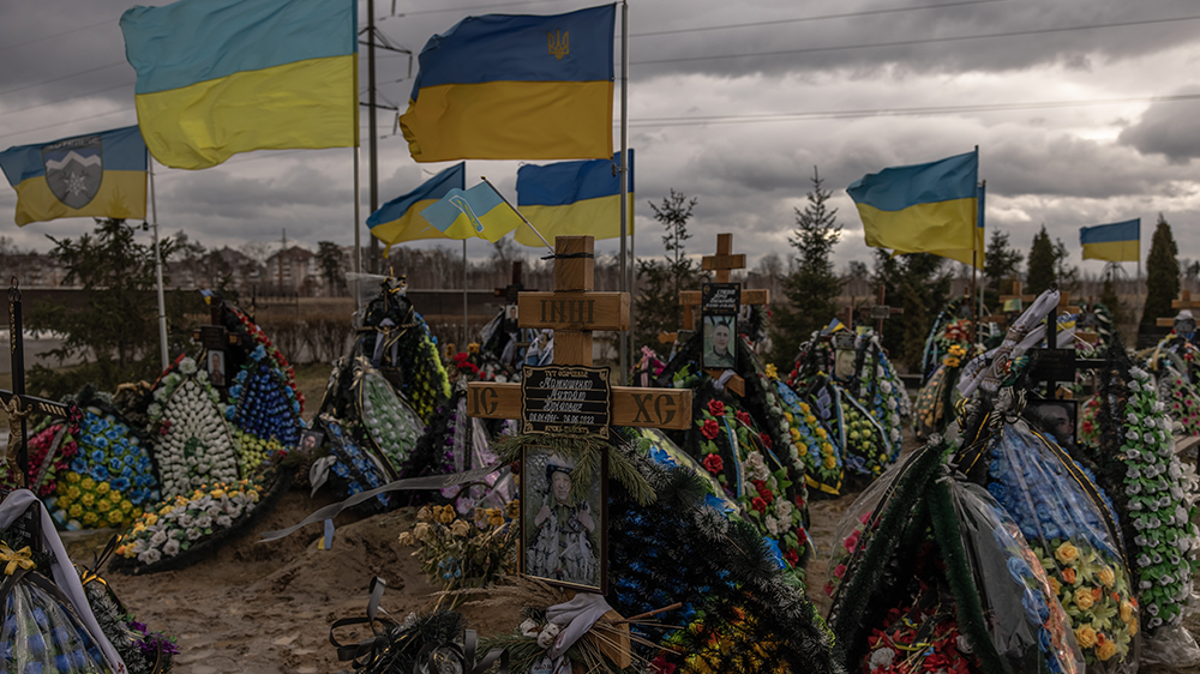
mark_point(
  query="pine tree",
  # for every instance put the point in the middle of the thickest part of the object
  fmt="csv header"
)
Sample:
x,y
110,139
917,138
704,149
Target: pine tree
x,y
1001,263
1162,273
920,282
812,286
1109,297
659,282
1041,264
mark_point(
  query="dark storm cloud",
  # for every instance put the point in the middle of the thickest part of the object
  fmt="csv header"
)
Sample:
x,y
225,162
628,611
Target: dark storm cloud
x,y
1168,129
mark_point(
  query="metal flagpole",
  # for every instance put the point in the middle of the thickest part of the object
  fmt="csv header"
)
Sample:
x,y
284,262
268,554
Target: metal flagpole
x,y
162,304
623,359
463,346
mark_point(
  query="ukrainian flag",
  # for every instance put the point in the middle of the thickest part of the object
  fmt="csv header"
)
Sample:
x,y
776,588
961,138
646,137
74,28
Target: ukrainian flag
x,y
971,256
99,175
479,211
922,208
219,77
399,219
572,198
515,87
1118,242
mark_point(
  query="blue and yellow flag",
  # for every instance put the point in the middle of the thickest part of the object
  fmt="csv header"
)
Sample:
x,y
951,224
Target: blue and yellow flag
x,y
1118,242
479,211
219,77
100,175
971,256
922,208
515,87
399,219
572,198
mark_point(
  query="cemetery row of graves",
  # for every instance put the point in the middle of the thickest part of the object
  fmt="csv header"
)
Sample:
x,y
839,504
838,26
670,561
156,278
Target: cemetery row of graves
x,y
656,520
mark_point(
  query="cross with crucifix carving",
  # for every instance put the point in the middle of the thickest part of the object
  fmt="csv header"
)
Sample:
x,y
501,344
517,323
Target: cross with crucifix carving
x,y
574,311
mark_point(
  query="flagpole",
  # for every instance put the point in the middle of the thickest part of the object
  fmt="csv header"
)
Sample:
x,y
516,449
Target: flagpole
x,y
519,214
623,359
463,346
162,304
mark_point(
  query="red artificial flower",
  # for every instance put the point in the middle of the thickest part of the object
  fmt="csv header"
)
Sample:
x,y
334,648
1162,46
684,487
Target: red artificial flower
x,y
758,504
713,464
716,408
660,666
710,429
743,417
765,440
802,536
792,556
800,502
839,571
764,491
515,467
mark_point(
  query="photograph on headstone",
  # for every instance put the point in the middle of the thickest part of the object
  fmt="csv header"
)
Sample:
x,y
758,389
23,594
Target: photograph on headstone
x,y
562,534
719,307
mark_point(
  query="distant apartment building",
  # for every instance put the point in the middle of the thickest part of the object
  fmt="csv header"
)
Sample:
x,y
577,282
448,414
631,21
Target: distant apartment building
x,y
293,270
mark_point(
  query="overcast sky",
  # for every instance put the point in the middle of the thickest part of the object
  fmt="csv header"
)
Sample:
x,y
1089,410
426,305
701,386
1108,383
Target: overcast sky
x,y
1085,112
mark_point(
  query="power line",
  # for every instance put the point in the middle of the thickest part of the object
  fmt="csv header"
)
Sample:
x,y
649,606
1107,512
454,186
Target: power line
x,y
889,112
70,121
59,79
933,40
64,100
467,9
823,17
48,37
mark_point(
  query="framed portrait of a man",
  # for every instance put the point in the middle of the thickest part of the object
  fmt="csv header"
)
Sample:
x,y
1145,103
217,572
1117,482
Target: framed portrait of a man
x,y
719,305
564,538
1056,417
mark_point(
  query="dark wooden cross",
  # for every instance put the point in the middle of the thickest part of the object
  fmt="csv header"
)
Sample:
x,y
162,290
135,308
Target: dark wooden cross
x,y
882,311
1185,301
574,311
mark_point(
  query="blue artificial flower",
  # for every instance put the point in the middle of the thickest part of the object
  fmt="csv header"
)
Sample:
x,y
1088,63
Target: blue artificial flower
x,y
99,473
61,662
98,456
126,471
340,470
120,484
718,504
61,636
355,487
112,434
1036,611
258,353
132,460
36,645
997,491
115,465
78,465
39,617
229,412
1045,644
776,556
660,456
1019,570
100,442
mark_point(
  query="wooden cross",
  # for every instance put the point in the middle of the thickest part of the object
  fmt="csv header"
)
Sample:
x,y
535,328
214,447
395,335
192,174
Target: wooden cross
x,y
724,262
1016,295
881,311
847,318
1185,301
574,311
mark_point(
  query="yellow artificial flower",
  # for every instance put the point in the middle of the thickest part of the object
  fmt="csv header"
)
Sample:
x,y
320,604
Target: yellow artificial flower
x,y
951,361
772,371
139,527
73,478
90,518
88,499
73,492
115,516
1127,612
102,488
1086,636
795,434
473,347
1084,598
75,510
822,433
827,449
1055,585
88,484
829,462
804,408
1106,650
1106,576
1066,553
103,505
810,419
790,417
126,505
802,450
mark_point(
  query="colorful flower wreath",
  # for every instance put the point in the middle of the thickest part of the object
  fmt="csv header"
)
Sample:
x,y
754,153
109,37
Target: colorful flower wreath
x,y
186,521
263,412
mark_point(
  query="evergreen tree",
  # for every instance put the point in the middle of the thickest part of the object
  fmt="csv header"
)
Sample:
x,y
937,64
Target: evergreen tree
x,y
1162,274
1109,297
812,286
115,330
1066,276
920,282
1001,263
1041,264
329,255
659,282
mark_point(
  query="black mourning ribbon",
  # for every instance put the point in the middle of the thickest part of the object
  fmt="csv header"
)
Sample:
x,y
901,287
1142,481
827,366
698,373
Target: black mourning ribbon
x,y
568,256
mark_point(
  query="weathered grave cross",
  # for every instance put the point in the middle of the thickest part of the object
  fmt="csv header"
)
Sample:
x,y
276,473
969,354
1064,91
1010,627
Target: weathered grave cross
x,y
1016,295
1185,301
574,311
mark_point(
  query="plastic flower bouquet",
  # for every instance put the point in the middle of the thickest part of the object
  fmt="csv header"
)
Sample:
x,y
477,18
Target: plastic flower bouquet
x,y
185,522
263,411
389,424
815,444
